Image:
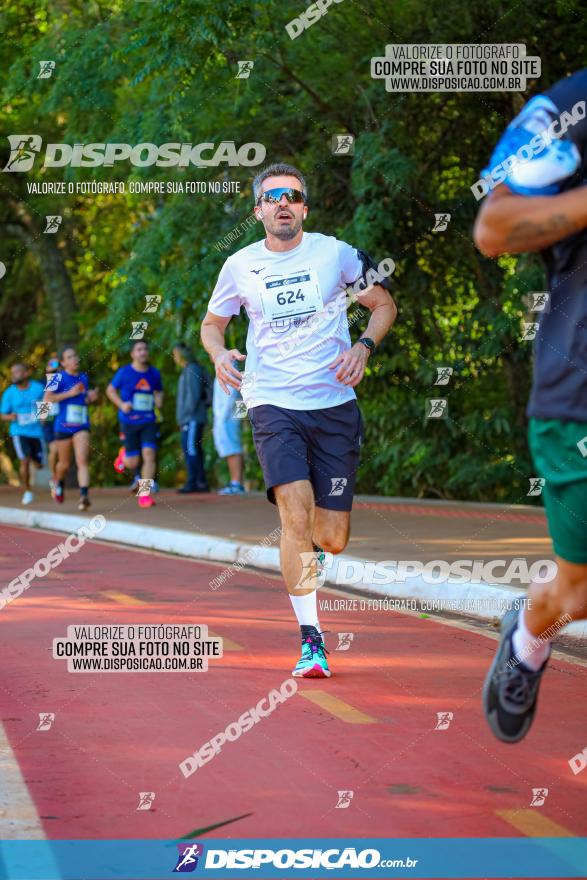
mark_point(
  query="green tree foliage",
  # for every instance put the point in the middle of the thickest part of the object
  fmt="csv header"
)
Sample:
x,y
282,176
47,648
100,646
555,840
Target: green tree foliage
x,y
165,71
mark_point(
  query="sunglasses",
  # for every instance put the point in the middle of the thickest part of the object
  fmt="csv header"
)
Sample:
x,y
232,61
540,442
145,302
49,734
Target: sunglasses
x,y
273,196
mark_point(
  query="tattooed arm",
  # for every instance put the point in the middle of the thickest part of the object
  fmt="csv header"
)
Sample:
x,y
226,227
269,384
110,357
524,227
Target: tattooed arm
x,y
513,224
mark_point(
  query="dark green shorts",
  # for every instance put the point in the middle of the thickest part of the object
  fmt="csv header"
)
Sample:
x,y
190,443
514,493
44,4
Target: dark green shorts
x,y
557,452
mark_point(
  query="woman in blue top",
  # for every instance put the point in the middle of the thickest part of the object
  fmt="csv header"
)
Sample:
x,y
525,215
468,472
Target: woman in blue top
x,y
71,390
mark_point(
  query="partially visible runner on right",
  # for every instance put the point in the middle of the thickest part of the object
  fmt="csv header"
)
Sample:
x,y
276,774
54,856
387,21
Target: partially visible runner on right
x,y
542,206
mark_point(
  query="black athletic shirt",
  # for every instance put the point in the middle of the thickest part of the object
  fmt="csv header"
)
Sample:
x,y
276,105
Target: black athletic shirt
x,y
559,389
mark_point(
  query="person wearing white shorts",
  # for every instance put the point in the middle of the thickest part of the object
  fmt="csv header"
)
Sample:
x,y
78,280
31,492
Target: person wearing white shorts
x,y
227,436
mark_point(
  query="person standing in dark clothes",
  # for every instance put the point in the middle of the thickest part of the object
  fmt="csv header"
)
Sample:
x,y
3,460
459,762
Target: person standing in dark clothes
x,y
193,401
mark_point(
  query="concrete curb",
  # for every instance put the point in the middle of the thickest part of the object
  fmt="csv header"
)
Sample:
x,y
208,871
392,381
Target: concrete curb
x,y
475,599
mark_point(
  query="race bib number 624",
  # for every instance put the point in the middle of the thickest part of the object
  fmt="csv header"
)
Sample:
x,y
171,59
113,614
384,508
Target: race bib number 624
x,y
290,296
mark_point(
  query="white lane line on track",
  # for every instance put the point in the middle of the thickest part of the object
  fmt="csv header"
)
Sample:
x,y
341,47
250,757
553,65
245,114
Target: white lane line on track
x,y
19,819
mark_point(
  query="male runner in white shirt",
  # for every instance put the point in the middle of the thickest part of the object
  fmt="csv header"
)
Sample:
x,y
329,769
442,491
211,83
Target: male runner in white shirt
x,y
301,370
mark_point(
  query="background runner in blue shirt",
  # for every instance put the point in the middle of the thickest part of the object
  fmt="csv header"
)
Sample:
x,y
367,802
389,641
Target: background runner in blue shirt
x,y
70,388
18,408
136,389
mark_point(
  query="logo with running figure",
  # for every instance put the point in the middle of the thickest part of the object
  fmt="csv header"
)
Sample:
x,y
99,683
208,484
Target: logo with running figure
x,y
530,330
441,222
436,408
146,799
539,795
314,569
536,486
539,301
138,329
244,69
338,485
42,410
153,301
188,855
443,720
23,149
344,641
53,222
240,409
46,720
443,375
46,69
343,144
344,799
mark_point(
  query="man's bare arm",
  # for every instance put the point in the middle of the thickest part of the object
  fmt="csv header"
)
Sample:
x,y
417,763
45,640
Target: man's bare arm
x,y
350,364
212,336
383,311
513,224
113,395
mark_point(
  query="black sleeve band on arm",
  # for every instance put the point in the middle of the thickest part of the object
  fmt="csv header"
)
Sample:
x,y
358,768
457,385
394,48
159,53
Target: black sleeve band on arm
x,y
368,263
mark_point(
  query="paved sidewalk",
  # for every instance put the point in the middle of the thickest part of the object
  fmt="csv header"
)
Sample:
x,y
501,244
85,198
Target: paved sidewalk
x,y
382,528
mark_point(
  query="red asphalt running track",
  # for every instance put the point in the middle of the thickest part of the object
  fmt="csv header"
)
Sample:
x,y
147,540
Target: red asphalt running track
x,y
369,729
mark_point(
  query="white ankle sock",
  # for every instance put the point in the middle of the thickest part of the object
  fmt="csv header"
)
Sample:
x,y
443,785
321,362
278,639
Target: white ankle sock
x,y
306,609
528,649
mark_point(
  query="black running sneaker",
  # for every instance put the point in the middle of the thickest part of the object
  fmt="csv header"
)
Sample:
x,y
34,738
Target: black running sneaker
x,y
510,693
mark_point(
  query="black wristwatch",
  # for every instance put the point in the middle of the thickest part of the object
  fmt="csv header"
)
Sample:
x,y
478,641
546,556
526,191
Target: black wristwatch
x,y
368,343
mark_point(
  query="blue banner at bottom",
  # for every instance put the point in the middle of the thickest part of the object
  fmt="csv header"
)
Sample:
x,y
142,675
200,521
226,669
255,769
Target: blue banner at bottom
x,y
286,858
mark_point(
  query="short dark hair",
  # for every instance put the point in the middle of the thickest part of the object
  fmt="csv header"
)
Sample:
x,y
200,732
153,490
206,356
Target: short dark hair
x,y
277,169
185,351
63,349
136,342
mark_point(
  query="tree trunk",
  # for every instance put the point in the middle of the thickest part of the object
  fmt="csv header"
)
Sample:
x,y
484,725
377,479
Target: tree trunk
x,y
56,281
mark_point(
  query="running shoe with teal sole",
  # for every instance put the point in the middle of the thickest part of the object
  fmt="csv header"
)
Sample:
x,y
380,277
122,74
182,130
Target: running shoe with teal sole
x,y
313,662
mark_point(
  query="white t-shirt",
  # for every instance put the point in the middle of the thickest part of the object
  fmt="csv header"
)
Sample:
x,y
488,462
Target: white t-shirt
x,y
296,305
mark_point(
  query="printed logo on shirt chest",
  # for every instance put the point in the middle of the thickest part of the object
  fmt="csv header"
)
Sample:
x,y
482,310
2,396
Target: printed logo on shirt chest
x,y
142,399
284,324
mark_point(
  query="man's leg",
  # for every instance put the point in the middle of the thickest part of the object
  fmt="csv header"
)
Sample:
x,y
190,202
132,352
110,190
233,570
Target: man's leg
x,y
511,688
64,450
131,462
23,464
550,607
295,502
52,458
235,468
149,467
62,465
331,529
188,448
299,566
24,459
81,449
130,450
282,446
200,472
25,473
